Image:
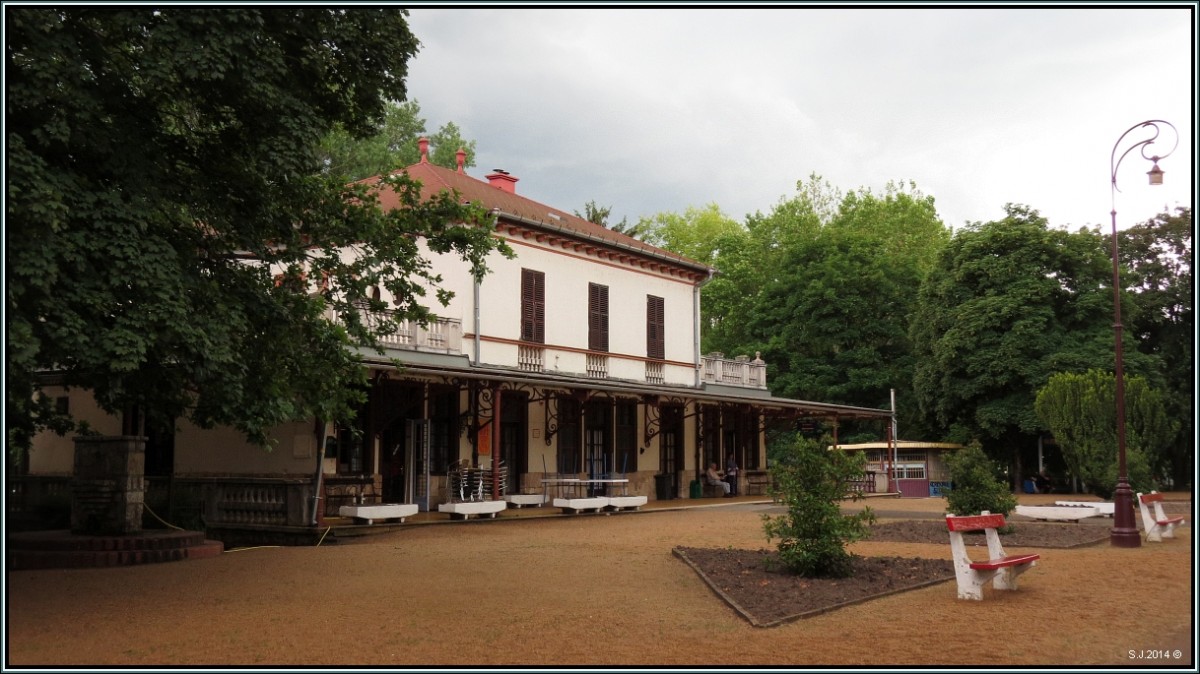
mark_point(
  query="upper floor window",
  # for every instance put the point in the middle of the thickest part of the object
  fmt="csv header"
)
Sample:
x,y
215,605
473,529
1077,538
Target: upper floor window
x,y
533,306
597,317
656,342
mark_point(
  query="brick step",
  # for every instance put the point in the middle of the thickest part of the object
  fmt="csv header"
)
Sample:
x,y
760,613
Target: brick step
x,y
62,540
75,559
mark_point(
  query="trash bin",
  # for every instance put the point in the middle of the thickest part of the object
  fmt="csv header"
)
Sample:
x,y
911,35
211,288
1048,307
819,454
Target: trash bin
x,y
695,490
662,487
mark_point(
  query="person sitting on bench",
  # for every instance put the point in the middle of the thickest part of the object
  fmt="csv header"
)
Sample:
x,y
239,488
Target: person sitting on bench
x,y
1042,482
714,478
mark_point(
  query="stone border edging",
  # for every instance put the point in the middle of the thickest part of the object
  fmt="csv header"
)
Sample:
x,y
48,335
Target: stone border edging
x,y
798,616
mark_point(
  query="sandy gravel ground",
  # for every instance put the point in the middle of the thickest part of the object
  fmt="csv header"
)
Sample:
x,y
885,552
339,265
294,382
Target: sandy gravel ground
x,y
585,590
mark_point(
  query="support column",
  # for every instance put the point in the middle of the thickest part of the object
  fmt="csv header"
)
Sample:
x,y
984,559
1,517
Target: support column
x,y
496,396
109,485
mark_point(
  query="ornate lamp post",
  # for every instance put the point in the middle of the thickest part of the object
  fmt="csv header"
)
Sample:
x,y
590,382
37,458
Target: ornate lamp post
x,y
1124,532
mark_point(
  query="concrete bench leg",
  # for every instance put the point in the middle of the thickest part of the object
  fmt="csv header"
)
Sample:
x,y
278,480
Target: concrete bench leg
x,y
1007,578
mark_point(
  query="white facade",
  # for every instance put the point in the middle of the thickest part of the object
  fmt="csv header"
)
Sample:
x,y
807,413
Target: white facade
x,y
472,387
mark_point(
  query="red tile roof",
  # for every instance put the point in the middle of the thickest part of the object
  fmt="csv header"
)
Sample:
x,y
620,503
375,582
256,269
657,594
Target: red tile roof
x,y
434,179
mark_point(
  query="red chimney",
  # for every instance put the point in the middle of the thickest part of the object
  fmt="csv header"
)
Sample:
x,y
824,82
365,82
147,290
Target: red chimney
x,y
423,145
461,158
501,180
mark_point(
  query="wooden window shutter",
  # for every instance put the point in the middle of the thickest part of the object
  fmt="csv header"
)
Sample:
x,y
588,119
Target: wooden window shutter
x,y
533,306
597,317
656,343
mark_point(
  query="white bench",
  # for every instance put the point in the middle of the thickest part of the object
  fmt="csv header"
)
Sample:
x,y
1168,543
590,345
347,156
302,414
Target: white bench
x,y
577,505
1000,568
522,500
379,511
1158,526
1058,513
465,510
1103,508
622,502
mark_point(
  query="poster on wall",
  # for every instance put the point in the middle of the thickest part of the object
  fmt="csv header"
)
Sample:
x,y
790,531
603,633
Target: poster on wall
x,y
483,440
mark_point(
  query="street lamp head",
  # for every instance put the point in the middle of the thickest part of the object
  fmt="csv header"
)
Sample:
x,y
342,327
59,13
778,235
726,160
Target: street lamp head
x,y
1155,173
1153,126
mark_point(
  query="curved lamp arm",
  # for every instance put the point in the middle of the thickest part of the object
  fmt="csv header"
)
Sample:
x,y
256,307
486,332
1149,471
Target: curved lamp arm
x,y
1155,173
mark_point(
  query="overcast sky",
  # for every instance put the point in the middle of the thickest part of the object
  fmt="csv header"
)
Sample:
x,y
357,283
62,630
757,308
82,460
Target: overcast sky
x,y
649,111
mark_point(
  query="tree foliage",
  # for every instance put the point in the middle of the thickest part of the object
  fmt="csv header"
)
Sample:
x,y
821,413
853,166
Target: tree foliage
x,y
976,485
163,177
1080,410
392,145
695,233
1157,256
824,286
594,213
833,298
811,481
1008,304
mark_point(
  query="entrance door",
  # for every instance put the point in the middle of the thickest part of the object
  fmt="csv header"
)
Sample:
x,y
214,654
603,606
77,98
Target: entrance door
x,y
597,442
513,444
417,463
394,406
393,462
671,447
405,462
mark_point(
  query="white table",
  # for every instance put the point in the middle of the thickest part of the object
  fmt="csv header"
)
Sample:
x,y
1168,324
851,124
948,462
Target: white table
x,y
572,484
571,499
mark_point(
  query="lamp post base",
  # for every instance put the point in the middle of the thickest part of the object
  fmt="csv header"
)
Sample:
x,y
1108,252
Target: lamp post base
x,y
1125,538
1124,532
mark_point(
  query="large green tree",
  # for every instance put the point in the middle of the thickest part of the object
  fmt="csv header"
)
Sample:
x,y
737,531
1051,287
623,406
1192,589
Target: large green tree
x,y
826,290
834,320
1008,304
1157,256
1080,410
163,175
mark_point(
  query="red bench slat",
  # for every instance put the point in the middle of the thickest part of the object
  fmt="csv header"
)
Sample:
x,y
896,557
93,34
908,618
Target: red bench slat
x,y
1172,520
974,522
1151,497
1013,560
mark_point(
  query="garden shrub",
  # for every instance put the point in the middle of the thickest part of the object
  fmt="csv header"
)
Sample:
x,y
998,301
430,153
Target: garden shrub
x,y
976,484
810,481
1137,467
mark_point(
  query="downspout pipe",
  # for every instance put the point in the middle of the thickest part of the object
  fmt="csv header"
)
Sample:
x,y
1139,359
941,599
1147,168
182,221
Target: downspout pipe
x,y
475,286
696,323
476,325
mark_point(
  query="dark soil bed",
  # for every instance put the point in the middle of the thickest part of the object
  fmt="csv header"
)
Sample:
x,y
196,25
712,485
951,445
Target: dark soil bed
x,y
1024,534
746,580
767,598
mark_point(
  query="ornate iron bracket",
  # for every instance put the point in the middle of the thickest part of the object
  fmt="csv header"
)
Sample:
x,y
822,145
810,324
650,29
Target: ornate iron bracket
x,y
552,412
651,419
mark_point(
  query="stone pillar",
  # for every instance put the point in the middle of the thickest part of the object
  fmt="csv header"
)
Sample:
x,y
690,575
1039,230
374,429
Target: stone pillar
x,y
109,485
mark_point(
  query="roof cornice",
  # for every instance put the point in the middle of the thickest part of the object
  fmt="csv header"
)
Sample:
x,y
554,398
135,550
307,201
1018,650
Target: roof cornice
x,y
569,232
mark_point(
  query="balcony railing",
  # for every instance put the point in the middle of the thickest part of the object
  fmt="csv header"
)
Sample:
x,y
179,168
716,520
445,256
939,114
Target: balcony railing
x,y
597,366
531,358
654,372
441,335
740,371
